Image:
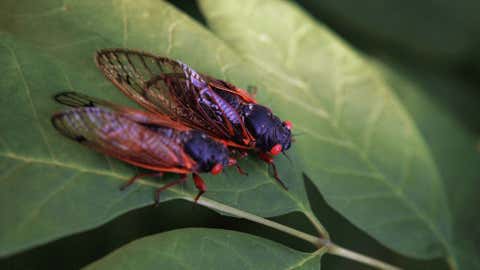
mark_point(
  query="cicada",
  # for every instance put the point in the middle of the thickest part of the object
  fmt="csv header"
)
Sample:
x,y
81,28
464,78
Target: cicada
x,y
169,87
150,141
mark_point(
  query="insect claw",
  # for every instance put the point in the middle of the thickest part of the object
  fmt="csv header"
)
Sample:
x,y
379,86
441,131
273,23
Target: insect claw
x,y
240,170
275,175
268,159
198,195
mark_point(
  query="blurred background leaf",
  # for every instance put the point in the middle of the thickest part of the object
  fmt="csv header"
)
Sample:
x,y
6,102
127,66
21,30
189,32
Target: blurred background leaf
x,y
441,35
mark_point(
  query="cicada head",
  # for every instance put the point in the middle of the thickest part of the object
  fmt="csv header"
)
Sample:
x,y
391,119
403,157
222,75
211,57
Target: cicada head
x,y
211,156
271,134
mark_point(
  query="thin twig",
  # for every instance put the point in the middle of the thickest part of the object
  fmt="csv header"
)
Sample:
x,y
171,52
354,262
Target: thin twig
x,y
317,242
321,243
342,252
318,226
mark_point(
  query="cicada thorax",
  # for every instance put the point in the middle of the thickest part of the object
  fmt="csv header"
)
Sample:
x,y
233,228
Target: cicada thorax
x,y
267,132
271,134
210,155
206,152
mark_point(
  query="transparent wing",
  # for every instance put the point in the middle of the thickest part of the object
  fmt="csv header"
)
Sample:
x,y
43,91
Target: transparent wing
x,y
76,100
166,86
110,133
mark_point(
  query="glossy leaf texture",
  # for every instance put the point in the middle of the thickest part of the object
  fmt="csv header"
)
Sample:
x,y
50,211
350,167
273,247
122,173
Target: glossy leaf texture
x,y
52,187
206,249
360,147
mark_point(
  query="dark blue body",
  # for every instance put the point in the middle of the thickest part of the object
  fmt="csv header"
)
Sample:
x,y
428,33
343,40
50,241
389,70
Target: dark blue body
x,y
205,151
267,129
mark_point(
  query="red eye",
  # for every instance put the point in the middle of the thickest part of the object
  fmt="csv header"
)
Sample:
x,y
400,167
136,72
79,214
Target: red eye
x,y
276,149
288,124
217,169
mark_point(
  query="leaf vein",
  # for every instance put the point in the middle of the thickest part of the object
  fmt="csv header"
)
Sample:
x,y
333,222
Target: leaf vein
x,y
30,100
36,210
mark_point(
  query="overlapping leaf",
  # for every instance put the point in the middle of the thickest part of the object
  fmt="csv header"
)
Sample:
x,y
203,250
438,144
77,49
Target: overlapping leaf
x,y
360,147
206,249
453,146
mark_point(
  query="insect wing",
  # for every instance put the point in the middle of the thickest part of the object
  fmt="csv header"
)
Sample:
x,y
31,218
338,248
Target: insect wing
x,y
110,133
170,87
228,88
76,100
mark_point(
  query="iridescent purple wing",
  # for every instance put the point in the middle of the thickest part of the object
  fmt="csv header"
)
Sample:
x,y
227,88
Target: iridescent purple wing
x,y
111,133
167,86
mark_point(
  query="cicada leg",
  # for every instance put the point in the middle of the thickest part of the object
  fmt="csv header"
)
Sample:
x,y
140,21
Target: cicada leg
x,y
233,162
181,180
140,175
269,159
240,170
200,184
238,154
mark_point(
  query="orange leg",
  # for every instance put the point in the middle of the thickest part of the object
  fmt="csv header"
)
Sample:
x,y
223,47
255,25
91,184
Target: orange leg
x,y
200,184
140,175
269,159
182,179
232,162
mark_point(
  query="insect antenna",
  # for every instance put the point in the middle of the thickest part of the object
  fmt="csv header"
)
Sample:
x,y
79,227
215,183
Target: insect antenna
x,y
298,134
289,159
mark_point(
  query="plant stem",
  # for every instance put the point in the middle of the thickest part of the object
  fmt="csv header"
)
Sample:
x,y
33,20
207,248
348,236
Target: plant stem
x,y
317,242
339,251
321,243
320,229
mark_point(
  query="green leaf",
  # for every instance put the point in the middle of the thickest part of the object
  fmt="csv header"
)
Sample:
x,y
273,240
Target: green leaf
x,y
453,143
52,187
359,147
206,249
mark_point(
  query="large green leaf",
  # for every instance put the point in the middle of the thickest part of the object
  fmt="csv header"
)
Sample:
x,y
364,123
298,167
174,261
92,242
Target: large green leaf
x,y
453,143
360,147
50,186
206,249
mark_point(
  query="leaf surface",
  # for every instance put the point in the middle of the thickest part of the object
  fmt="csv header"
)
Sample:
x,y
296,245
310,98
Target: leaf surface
x,y
206,249
359,145
438,105
51,186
